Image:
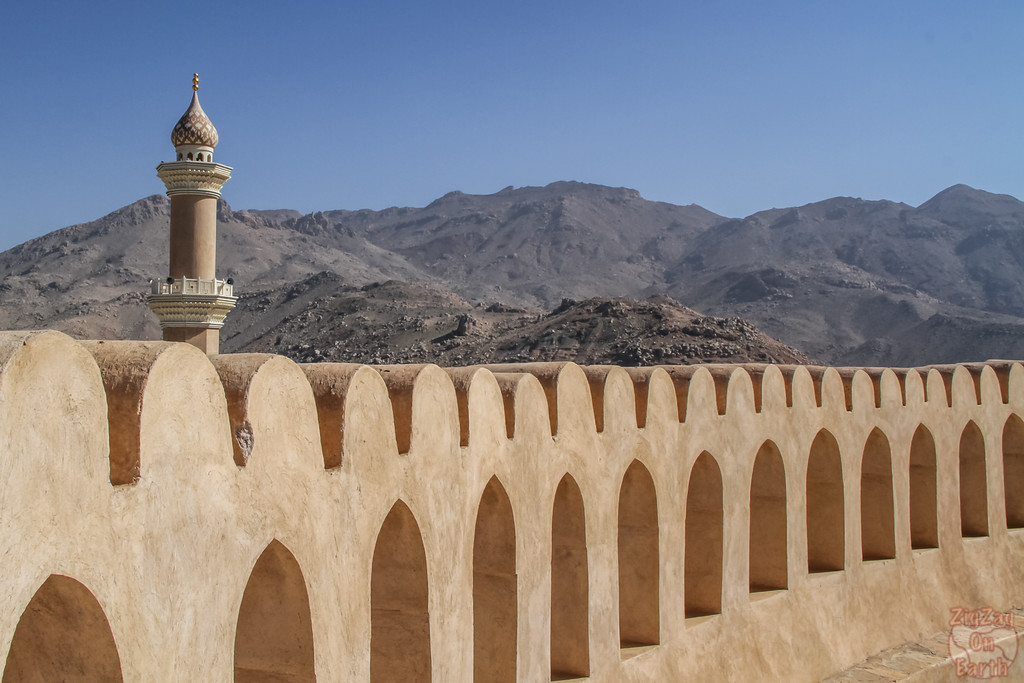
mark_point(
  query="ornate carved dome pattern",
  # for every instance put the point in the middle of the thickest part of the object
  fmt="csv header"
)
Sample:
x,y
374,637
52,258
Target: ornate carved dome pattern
x,y
194,127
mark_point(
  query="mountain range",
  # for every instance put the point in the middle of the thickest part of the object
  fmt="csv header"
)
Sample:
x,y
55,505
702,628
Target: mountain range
x,y
845,280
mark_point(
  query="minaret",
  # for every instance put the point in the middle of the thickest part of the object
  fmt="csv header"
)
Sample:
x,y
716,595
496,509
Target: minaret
x,y
192,303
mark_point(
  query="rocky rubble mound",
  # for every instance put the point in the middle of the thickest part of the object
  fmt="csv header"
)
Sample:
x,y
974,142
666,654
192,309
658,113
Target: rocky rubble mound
x,y
323,319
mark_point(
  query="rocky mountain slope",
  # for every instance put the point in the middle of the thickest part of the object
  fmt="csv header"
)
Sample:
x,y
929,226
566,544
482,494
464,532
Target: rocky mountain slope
x,y
536,245
845,280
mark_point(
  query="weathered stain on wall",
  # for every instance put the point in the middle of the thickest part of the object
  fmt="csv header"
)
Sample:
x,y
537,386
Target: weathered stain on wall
x,y
166,516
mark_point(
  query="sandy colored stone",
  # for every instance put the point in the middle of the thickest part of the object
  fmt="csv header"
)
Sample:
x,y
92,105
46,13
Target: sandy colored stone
x,y
246,515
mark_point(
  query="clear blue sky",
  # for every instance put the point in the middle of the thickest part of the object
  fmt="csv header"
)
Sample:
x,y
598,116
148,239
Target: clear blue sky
x,y
736,106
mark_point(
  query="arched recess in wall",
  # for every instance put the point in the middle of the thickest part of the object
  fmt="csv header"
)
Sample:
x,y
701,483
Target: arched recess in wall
x,y
1013,471
639,619
274,635
570,584
877,518
399,621
826,524
768,561
702,571
63,635
973,483
495,604
924,528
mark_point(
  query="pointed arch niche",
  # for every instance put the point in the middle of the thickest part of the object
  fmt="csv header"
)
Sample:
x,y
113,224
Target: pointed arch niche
x,y
639,620
570,584
702,571
399,620
877,513
973,483
1013,472
495,605
924,528
826,523
274,636
63,635
768,562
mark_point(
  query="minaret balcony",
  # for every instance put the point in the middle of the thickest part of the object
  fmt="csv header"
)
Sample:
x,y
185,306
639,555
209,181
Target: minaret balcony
x,y
192,285
193,177
191,302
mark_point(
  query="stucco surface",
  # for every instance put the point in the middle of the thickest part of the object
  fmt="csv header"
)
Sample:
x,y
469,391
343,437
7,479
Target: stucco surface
x,y
158,479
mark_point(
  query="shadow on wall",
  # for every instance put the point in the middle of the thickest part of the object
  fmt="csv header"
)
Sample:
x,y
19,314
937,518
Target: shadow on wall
x,y
63,635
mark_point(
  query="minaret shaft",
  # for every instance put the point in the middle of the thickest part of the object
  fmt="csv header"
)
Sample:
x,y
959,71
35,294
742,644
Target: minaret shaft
x,y
205,339
193,237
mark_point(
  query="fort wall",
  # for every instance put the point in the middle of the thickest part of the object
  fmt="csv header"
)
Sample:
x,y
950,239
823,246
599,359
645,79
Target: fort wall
x,y
169,516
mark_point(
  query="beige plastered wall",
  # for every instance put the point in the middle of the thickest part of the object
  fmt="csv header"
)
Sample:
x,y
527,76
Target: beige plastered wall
x,y
213,459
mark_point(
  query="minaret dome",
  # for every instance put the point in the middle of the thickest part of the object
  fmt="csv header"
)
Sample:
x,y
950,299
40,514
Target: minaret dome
x,y
194,136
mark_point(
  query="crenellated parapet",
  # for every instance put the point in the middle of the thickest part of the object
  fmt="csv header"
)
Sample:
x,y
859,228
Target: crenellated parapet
x,y
203,518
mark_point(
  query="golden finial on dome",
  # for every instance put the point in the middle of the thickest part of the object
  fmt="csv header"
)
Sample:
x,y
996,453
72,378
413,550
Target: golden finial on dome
x,y
195,82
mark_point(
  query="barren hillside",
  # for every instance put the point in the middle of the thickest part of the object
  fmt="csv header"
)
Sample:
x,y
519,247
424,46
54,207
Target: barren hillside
x,y
845,280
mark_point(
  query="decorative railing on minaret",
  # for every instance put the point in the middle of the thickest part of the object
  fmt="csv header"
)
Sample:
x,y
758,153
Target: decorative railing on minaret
x,y
191,302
